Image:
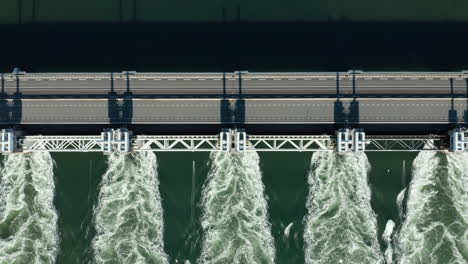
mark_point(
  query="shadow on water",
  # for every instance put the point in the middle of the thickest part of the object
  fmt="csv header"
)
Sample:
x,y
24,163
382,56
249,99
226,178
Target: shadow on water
x,y
252,46
77,177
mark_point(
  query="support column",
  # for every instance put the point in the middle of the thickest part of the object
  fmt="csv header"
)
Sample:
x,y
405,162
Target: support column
x,y
225,140
7,141
118,140
106,141
351,140
458,140
122,140
241,141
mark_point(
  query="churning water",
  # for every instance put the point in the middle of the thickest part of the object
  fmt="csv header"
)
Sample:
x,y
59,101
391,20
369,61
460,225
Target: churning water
x,y
340,226
234,215
435,228
28,219
129,216
235,212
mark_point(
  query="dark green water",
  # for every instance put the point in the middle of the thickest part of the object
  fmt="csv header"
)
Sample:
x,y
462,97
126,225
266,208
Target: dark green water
x,y
62,11
284,176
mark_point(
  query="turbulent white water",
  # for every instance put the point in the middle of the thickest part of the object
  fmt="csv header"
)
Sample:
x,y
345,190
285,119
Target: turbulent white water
x,y
129,216
435,228
340,226
28,219
387,238
235,213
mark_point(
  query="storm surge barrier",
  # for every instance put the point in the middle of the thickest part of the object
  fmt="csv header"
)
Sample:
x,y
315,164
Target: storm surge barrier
x,y
230,140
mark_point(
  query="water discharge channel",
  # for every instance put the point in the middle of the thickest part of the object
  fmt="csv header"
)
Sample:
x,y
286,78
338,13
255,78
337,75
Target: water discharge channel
x,y
233,200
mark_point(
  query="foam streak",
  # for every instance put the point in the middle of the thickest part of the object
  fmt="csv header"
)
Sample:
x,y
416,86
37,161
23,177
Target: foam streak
x,y
235,213
435,228
28,219
340,226
129,217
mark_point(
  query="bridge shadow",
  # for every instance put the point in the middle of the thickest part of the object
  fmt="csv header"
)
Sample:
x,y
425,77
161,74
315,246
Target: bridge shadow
x,y
465,115
353,116
113,109
225,110
4,108
232,109
452,114
16,107
341,116
120,112
127,106
239,113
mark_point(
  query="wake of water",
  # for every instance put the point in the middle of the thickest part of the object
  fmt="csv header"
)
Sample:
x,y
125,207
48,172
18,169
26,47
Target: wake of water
x,y
129,216
436,221
28,220
340,226
235,213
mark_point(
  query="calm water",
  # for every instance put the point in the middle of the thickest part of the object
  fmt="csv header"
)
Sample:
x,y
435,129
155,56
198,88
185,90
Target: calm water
x,y
60,11
97,215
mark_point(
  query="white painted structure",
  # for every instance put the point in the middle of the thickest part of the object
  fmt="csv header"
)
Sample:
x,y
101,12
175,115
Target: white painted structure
x,y
351,140
7,141
458,140
231,140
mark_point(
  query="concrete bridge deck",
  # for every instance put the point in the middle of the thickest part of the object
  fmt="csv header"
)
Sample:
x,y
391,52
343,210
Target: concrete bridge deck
x,y
320,84
235,111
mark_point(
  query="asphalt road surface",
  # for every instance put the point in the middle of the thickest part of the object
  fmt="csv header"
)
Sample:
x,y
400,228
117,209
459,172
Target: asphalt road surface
x,y
248,111
262,85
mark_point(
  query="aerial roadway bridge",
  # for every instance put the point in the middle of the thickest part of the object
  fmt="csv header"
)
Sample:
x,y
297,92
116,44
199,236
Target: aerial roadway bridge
x,y
343,102
353,97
